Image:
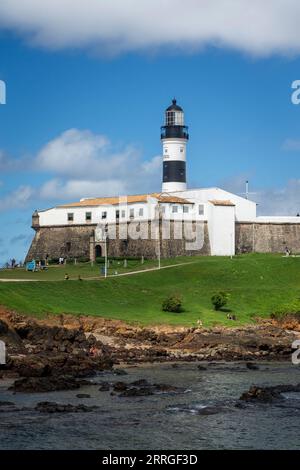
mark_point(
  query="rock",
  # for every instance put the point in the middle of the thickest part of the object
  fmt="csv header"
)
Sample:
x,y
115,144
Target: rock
x,y
251,366
120,372
47,384
104,387
140,383
53,407
137,392
7,403
200,367
120,386
83,395
268,394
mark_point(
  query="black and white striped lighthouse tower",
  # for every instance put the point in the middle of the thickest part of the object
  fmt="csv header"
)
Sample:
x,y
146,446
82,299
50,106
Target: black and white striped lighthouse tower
x,y
174,137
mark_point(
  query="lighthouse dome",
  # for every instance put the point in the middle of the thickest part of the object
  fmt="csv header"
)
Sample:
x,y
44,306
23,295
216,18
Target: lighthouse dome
x,y
174,106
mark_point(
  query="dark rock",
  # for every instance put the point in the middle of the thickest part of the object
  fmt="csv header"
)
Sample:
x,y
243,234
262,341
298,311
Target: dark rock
x,y
137,392
6,403
200,367
120,372
140,383
52,407
83,395
268,394
104,387
251,366
46,384
120,386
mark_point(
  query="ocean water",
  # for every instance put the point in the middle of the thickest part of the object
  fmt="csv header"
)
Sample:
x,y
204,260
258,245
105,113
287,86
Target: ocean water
x,y
203,417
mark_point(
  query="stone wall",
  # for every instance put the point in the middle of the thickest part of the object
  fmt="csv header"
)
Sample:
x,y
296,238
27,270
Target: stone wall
x,y
267,237
79,241
66,241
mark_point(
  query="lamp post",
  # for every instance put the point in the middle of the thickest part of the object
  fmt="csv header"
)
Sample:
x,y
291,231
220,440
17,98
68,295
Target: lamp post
x,y
159,212
104,232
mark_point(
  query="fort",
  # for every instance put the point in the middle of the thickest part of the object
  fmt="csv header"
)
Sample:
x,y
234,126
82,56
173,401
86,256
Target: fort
x,y
176,221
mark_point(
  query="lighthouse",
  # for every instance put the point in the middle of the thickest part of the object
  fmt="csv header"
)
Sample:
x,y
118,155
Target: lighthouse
x,y
174,137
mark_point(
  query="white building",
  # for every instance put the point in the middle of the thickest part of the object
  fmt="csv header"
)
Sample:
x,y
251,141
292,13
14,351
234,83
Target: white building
x,y
231,220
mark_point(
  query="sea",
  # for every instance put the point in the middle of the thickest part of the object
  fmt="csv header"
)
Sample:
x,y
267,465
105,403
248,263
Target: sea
x,y
206,414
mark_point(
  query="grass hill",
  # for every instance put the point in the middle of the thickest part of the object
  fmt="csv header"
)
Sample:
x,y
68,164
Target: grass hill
x,y
258,285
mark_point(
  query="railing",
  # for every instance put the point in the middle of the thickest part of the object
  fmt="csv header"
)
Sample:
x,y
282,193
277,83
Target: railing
x,y
179,132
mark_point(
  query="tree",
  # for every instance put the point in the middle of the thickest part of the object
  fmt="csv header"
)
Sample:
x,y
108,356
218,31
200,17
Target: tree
x,y
219,300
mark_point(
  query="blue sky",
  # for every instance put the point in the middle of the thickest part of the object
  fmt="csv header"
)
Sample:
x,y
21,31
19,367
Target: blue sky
x,y
82,122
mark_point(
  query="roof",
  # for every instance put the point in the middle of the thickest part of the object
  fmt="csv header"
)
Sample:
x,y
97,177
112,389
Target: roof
x,y
101,201
222,203
174,106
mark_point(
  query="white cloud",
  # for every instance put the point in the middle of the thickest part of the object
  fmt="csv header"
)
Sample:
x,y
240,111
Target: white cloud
x,y
18,198
87,164
252,26
282,201
80,153
76,189
83,164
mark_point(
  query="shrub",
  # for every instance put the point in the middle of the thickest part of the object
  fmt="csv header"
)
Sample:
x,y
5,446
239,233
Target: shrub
x,y
173,303
219,300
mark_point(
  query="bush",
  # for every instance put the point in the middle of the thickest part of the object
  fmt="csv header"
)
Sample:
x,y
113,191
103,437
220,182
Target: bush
x,y
219,300
173,303
82,259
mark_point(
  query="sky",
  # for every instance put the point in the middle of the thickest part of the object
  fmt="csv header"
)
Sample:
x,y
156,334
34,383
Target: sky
x,y
87,84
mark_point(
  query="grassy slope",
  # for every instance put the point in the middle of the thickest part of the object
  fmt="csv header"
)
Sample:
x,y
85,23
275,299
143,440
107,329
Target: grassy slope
x,y
258,284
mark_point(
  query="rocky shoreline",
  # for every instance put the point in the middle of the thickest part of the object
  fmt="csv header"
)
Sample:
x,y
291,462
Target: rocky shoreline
x,y
60,352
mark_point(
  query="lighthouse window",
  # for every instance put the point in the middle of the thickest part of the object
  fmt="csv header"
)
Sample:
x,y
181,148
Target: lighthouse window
x,y
88,216
181,149
104,215
174,209
201,209
70,217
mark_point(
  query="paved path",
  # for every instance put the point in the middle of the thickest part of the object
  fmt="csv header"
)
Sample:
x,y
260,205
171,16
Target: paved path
x,y
98,278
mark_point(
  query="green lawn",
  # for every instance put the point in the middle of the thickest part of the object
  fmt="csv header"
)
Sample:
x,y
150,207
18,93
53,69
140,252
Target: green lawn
x,y
258,285
85,270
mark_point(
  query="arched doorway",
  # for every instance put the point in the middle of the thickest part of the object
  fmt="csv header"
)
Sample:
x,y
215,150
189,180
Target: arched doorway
x,y
98,251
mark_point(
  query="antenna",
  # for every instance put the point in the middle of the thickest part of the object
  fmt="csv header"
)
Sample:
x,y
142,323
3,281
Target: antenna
x,y
247,189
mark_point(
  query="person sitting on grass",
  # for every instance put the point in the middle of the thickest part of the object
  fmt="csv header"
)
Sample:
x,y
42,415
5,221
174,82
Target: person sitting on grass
x,y
287,251
66,277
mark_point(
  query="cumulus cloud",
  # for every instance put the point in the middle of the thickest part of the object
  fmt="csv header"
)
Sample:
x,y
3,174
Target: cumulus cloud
x,y
87,164
80,152
252,26
80,164
18,198
281,201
